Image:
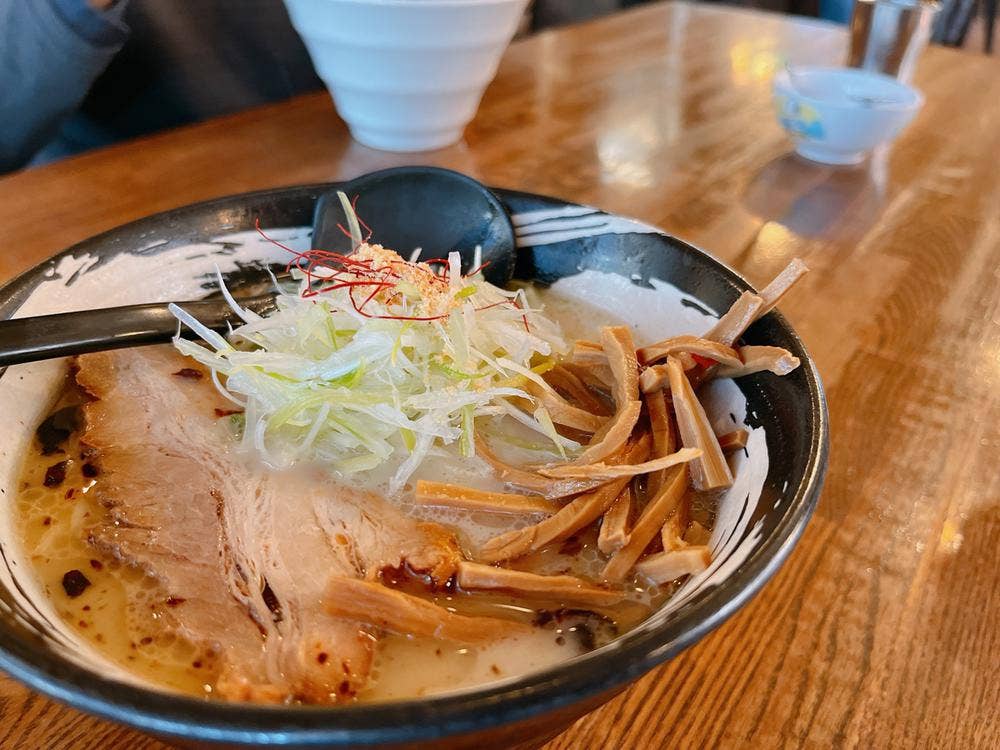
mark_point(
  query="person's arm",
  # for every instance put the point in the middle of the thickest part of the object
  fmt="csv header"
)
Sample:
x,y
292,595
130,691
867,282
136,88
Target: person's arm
x,y
50,53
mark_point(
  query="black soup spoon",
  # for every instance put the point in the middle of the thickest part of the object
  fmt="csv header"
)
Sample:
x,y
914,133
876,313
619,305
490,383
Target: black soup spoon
x,y
434,209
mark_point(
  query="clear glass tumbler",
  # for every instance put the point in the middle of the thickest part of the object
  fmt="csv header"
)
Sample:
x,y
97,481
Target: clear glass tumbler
x,y
888,36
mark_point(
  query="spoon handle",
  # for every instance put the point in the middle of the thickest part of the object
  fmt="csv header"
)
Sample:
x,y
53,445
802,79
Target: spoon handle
x,y
66,334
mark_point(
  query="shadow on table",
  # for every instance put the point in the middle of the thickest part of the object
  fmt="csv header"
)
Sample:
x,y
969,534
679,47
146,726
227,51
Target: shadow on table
x,y
817,200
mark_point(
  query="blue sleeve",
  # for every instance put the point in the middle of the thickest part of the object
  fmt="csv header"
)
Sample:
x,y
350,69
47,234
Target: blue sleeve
x,y
51,51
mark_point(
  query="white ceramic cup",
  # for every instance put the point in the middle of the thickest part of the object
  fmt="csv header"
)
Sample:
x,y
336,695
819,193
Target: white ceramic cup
x,y
406,75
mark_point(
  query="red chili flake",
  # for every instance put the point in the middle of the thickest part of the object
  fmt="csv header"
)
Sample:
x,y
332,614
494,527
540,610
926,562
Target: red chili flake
x,y
705,362
227,412
86,607
55,474
173,601
146,641
47,521
69,493
392,298
82,623
90,471
74,583
322,656
97,565
196,664
344,688
189,372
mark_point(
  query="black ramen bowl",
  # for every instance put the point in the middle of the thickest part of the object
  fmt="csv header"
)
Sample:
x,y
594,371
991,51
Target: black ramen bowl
x,y
555,240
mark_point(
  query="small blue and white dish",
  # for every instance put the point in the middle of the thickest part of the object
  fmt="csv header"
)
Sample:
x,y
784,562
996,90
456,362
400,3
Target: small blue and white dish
x,y
839,115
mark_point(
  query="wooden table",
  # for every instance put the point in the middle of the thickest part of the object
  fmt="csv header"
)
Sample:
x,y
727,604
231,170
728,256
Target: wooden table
x,y
882,628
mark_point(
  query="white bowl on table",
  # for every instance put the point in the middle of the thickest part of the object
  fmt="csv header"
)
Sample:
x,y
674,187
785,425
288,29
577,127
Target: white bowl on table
x,y
839,115
406,75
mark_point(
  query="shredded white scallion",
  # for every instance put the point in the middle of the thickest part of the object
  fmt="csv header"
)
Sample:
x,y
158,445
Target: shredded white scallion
x,y
376,356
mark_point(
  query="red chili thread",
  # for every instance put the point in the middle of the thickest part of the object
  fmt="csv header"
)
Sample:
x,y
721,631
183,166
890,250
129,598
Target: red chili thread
x,y
354,206
350,294
490,306
272,241
479,268
361,222
386,270
308,261
423,268
375,291
351,284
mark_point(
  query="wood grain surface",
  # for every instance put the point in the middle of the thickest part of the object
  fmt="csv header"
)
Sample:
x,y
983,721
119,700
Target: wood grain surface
x,y
881,630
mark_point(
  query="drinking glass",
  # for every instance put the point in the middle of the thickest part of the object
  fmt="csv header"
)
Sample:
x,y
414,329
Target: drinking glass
x,y
887,36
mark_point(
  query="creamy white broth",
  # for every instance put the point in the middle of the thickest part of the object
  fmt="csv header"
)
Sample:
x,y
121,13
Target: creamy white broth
x,y
404,667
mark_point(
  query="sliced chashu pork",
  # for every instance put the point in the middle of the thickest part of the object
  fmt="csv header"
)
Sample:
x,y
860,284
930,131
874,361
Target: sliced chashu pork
x,y
245,553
